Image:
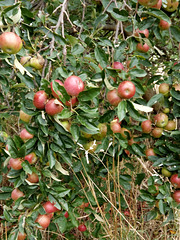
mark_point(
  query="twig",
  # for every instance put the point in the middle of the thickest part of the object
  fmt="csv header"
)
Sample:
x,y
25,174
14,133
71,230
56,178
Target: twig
x,y
107,6
83,15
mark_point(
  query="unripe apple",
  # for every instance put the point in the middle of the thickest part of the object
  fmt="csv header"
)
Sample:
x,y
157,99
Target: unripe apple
x,y
43,220
163,25
115,126
86,135
175,180
157,132
24,116
142,48
72,102
25,61
31,158
102,131
82,228
49,207
117,65
158,5
66,214
37,62
40,99
66,125
73,85
148,3
146,126
16,193
171,125
161,120
33,178
53,106
171,6
21,236
123,134
164,89
150,152
126,89
113,97
166,110
165,172
53,92
15,163
91,146
145,32
10,42
176,196
25,135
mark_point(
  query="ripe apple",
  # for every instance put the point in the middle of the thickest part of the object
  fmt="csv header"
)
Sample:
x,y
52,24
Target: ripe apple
x,y
127,152
24,116
53,106
52,90
115,126
126,89
31,158
148,3
157,132
50,215
113,97
102,131
171,125
21,236
82,228
73,85
175,180
10,42
171,6
158,5
49,207
164,89
37,62
127,213
40,99
66,214
145,32
90,146
16,193
117,65
15,163
161,120
163,25
123,134
142,48
176,196
165,172
43,220
146,126
72,102
150,152
25,135
33,178
25,61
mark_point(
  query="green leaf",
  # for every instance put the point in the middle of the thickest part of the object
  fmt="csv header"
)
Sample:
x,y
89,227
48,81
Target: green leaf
x,y
101,57
121,111
138,150
175,31
151,215
136,72
77,49
139,178
51,158
73,219
158,14
60,90
27,167
134,113
175,94
89,94
120,15
5,196
6,3
154,99
62,223
146,196
75,132
176,110
100,19
87,124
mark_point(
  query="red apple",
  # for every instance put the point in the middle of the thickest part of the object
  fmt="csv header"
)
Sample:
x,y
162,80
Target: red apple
x,y
43,220
53,92
158,5
21,236
146,126
25,135
113,97
127,212
145,32
49,207
25,61
157,132
10,42
82,228
115,126
53,106
16,193
33,178
31,158
148,3
73,85
117,65
163,25
126,89
171,125
15,163
176,196
40,99
66,214
161,120
150,152
72,102
24,117
142,48
175,180
127,152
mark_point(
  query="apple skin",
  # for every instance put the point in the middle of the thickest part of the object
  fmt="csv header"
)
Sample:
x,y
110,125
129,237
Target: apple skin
x,y
25,135
142,48
10,42
43,220
171,125
175,180
166,110
102,131
122,132
176,196
163,25
66,214
37,62
53,106
66,125
145,32
73,85
164,89
127,213
115,126
33,178
161,120
24,117
15,163
21,236
117,65
16,193
148,3
158,5
25,61
31,158
72,102
113,97
49,207
150,152
126,90
82,228
52,90
165,172
40,99
171,5
90,146
146,126
157,132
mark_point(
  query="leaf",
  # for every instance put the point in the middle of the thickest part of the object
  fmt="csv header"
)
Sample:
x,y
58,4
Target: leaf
x,y
134,113
22,69
138,72
60,169
138,150
142,107
75,132
89,94
87,124
175,94
139,178
27,167
5,195
77,49
120,15
158,14
101,57
154,99
151,215
121,111
175,31
100,19
62,223
51,158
